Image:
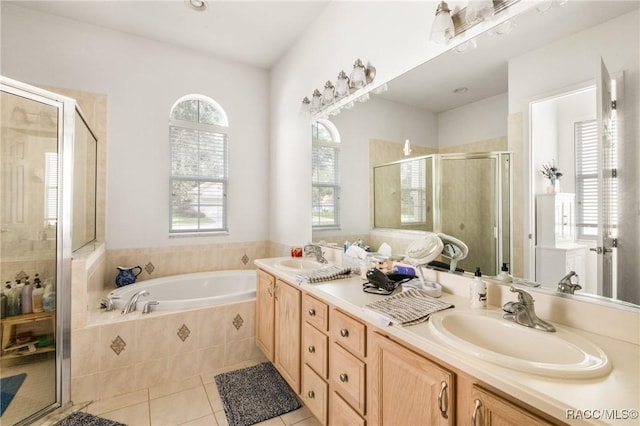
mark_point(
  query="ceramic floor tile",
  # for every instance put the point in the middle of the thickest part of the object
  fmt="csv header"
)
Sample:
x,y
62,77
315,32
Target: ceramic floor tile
x,y
276,421
209,420
173,387
309,421
212,392
134,415
296,416
180,407
221,418
118,402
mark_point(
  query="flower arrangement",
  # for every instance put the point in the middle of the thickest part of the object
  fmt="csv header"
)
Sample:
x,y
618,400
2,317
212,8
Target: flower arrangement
x,y
551,172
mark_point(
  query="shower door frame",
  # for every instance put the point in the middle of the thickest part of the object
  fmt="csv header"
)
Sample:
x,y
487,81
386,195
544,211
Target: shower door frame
x,y
66,116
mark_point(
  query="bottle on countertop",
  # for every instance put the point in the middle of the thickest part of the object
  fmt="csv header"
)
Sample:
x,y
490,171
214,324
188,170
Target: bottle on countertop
x,y
25,298
49,296
478,295
13,299
504,274
3,303
36,295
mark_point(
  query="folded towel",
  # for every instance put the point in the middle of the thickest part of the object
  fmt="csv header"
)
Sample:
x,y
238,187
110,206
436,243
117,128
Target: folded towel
x,y
325,274
409,307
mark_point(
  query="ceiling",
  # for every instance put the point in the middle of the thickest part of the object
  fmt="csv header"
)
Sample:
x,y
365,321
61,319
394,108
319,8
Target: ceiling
x,y
257,33
484,70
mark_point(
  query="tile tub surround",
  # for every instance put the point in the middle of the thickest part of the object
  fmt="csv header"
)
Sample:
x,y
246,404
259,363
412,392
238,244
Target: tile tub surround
x,y
123,354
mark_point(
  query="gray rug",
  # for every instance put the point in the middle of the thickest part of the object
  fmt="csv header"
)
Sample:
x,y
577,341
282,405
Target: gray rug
x,y
86,419
255,394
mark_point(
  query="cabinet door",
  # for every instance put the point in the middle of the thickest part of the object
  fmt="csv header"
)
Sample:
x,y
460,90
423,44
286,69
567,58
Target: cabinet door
x,y
265,314
287,350
408,389
492,410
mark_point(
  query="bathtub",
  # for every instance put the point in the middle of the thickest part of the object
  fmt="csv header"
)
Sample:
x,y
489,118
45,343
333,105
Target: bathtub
x,y
191,290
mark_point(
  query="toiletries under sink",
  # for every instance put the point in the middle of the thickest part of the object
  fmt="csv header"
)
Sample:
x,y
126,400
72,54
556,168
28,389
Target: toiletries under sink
x,y
478,291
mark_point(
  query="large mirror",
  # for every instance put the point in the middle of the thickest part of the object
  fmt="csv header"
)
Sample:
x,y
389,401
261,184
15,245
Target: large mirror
x,y
500,96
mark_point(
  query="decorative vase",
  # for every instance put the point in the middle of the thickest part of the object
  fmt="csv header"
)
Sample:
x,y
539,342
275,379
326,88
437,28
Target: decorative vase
x,y
556,185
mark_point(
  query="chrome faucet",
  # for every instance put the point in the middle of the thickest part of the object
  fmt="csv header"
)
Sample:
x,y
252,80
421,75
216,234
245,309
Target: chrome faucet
x,y
107,303
316,250
522,312
568,284
131,304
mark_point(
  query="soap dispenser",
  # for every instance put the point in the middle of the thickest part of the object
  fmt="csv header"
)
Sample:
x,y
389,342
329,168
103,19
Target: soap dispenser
x,y
36,295
478,295
504,274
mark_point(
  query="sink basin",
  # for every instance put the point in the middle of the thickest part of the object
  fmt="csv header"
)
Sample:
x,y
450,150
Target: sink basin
x,y
488,336
299,265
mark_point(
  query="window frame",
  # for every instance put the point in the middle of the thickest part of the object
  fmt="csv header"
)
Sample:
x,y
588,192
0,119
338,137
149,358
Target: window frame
x,y
333,144
219,131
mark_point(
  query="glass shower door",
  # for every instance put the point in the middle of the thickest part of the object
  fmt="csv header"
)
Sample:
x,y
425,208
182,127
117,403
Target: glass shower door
x,y
28,254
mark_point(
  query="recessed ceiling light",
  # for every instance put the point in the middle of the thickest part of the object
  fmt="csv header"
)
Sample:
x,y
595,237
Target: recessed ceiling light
x,y
460,90
197,5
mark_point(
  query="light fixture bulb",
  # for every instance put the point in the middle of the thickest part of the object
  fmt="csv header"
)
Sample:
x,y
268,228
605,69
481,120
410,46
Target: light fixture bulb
x,y
442,29
316,101
407,148
342,85
328,93
358,78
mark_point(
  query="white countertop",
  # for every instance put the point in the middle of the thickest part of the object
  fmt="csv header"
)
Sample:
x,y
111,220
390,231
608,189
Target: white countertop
x,y
618,392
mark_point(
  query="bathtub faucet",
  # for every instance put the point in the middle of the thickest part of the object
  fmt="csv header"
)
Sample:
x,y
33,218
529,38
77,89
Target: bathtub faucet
x,y
131,304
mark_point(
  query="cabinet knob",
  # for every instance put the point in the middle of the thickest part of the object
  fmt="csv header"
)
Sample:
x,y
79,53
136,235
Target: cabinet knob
x,y
312,312
344,332
312,349
344,378
311,394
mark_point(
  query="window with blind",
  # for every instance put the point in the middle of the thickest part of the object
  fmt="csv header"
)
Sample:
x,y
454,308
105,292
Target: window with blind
x,y
413,188
586,143
325,176
198,138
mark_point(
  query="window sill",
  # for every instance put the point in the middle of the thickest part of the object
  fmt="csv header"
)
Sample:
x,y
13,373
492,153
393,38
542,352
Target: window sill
x,y
197,234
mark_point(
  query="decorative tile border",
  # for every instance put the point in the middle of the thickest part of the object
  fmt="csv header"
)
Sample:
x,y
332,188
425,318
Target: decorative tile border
x,y
149,268
238,322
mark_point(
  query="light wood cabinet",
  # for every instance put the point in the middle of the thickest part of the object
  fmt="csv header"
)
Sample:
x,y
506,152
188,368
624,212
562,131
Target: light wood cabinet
x,y
315,393
347,375
407,388
340,413
287,333
315,349
265,314
492,410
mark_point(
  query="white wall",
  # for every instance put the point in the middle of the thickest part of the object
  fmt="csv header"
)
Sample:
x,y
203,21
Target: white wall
x,y
570,63
393,36
481,120
143,79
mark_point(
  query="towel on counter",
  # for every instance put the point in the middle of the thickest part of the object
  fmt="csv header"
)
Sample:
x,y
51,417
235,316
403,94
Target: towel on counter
x,y
409,307
325,274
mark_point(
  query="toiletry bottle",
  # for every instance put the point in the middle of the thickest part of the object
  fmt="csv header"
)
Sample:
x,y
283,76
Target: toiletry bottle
x,y
25,298
49,297
504,274
36,295
478,296
13,299
3,304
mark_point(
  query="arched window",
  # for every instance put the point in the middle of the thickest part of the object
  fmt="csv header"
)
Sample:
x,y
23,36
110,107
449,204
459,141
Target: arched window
x,y
198,136
325,175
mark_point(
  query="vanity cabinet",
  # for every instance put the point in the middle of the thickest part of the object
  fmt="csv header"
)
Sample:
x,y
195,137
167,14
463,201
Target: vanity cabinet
x,y
407,388
265,313
490,410
278,326
315,356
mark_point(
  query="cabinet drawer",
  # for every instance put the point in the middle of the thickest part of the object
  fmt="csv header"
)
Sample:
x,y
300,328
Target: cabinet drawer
x,y
315,349
315,312
348,332
314,394
340,413
347,376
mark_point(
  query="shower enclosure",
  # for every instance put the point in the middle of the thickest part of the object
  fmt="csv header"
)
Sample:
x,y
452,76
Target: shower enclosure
x,y
47,210
467,196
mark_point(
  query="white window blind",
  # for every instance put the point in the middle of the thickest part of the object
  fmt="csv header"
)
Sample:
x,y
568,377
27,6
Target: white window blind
x,y
586,143
51,188
198,139
413,189
325,176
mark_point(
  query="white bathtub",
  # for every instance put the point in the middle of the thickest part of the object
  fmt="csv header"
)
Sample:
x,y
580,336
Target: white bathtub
x,y
191,290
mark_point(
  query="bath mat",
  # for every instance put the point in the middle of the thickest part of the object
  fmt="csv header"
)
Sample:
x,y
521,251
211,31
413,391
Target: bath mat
x,y
85,419
8,388
255,394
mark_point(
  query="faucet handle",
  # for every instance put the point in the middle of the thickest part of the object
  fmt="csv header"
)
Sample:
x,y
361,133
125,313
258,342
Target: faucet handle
x,y
523,297
107,302
147,306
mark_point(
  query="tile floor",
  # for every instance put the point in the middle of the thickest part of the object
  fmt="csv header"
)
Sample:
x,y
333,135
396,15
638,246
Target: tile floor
x,y
193,401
